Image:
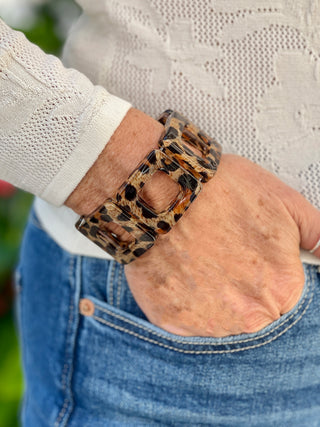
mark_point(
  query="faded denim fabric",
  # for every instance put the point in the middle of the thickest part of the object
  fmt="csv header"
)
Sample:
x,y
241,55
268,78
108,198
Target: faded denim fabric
x,y
114,368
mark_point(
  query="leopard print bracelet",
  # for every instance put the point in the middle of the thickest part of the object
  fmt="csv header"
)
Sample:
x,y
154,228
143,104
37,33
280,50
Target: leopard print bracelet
x,y
175,158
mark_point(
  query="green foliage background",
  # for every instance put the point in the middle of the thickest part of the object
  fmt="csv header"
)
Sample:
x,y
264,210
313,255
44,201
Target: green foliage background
x,y
13,214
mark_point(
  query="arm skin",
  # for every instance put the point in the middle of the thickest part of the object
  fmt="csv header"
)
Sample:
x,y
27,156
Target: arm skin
x,y
231,265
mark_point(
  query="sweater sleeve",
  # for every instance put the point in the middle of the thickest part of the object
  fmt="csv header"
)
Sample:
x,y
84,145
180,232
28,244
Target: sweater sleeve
x,y
54,122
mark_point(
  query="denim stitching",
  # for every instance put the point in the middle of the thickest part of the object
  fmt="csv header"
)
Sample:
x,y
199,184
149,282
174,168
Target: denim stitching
x,y
229,342
62,412
113,267
67,399
99,319
119,287
77,286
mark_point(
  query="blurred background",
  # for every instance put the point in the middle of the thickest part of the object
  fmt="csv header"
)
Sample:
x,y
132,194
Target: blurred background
x,y
45,23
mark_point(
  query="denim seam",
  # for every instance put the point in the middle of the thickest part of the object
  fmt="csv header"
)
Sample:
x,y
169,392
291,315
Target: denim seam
x,y
119,287
120,328
210,344
110,296
76,295
67,367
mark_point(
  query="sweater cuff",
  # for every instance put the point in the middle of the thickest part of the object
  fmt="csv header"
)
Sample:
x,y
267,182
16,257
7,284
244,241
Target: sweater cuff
x,y
92,141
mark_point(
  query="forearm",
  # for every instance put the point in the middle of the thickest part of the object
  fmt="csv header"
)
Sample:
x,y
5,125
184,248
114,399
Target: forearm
x,y
137,135
61,137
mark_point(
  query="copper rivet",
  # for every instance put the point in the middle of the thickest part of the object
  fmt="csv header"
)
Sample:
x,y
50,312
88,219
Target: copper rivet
x,y
86,307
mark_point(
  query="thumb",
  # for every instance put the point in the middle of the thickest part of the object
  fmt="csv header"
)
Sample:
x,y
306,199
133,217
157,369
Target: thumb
x,y
307,218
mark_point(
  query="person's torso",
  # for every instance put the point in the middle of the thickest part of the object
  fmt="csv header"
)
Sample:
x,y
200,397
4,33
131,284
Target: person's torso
x,y
245,71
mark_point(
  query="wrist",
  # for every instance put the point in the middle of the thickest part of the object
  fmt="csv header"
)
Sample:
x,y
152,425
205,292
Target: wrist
x,y
132,207
135,137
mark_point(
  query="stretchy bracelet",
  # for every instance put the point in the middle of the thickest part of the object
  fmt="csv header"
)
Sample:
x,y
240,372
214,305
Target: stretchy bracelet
x,y
127,209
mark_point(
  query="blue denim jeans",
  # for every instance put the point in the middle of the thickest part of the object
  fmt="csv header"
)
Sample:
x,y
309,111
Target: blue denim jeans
x,y
114,368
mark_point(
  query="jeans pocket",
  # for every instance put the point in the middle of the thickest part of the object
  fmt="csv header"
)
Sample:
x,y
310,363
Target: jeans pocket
x,y
122,314
138,374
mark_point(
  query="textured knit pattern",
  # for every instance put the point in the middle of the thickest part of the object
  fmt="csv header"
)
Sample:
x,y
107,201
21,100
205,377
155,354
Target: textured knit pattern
x,y
247,72
47,116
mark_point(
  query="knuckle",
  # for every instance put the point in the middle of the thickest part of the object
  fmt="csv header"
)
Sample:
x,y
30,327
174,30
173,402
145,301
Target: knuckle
x,y
257,321
292,299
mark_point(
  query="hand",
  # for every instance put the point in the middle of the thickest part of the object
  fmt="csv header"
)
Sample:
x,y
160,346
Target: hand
x,y
231,264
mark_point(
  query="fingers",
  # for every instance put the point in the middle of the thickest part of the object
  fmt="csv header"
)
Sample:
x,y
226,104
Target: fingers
x,y
307,218
310,229
316,247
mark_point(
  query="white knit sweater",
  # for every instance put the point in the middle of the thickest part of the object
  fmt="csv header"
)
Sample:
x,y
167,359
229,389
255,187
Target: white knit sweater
x,y
245,71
